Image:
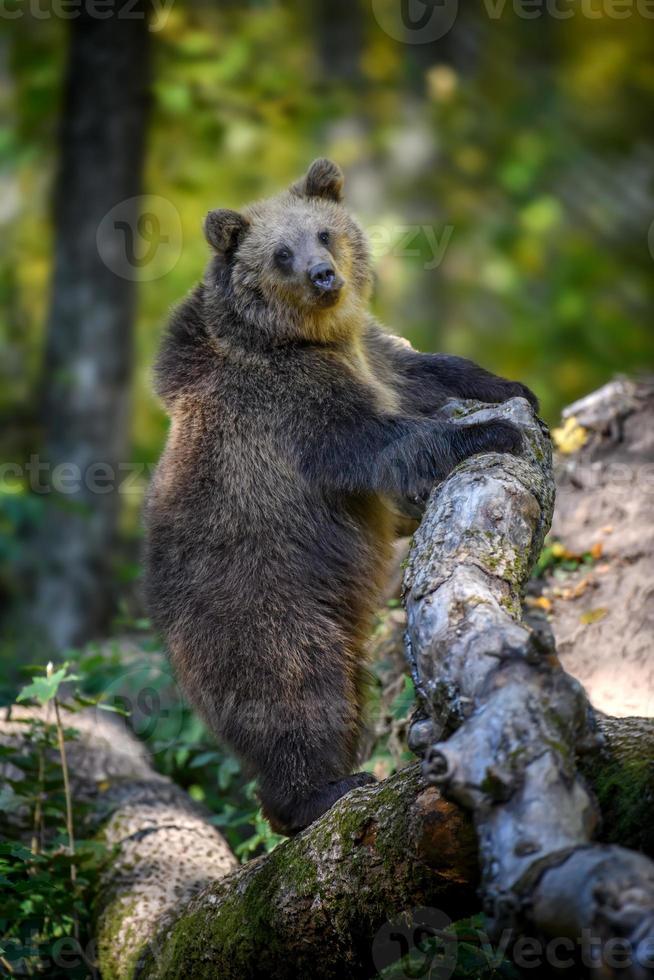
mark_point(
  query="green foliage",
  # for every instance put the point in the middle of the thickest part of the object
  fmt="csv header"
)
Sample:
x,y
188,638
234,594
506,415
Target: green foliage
x,y
259,838
47,877
46,871
39,914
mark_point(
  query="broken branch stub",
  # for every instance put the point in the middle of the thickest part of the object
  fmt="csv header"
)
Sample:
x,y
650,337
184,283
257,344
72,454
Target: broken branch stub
x,y
516,720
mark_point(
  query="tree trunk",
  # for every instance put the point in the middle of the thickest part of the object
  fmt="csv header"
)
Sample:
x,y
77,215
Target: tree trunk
x,y
519,721
337,26
88,356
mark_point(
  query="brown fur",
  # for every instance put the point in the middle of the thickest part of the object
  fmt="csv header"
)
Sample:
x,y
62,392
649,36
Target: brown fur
x,y
295,420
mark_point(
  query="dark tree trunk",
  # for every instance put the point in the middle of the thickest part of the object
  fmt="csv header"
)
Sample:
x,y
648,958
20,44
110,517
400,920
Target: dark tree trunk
x,y
88,353
338,30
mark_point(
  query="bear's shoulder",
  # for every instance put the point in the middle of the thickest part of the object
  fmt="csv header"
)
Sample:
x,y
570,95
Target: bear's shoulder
x,y
188,353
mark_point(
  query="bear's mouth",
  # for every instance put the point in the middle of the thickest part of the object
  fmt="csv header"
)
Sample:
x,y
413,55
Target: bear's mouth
x,y
326,300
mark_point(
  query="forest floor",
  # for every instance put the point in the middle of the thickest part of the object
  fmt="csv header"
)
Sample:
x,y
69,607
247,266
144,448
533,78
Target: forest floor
x,y
599,593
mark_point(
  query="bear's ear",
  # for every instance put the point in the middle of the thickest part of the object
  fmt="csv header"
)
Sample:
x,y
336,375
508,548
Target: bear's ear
x,y
323,179
224,229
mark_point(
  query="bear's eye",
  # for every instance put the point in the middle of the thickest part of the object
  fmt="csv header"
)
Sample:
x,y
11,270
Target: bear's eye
x,y
324,237
283,254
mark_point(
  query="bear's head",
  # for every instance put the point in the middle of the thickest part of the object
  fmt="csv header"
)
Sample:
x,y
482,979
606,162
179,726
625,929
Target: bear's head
x,y
293,267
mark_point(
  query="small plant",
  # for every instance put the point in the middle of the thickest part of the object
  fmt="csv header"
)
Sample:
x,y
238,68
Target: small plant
x,y
46,869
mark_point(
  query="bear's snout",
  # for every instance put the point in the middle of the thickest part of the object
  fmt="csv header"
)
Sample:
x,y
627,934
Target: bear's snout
x,y
323,277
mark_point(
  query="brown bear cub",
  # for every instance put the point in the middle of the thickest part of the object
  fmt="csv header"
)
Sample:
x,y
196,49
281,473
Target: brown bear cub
x,y
296,421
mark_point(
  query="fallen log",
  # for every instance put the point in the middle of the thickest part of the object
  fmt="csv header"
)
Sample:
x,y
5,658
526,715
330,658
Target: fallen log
x,y
516,721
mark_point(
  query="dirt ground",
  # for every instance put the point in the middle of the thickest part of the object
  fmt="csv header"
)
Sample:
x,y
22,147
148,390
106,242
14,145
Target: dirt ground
x,y
602,611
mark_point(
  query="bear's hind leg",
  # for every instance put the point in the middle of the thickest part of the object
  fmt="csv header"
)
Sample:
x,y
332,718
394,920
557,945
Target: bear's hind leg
x,y
289,815
306,769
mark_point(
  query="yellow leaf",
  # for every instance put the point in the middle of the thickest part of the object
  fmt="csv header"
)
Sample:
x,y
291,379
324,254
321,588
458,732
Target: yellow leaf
x,y
570,437
593,615
542,602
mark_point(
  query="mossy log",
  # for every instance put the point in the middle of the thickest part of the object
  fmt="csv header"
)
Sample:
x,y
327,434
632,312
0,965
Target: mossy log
x,y
314,906
505,724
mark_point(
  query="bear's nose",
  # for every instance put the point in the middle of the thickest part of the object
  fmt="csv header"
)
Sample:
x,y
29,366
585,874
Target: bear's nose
x,y
323,276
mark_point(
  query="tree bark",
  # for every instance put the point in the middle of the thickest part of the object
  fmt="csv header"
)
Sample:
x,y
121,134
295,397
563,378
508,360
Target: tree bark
x,y
518,720
88,355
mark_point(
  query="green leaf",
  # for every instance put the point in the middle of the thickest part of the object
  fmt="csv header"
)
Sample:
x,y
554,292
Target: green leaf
x,y
43,689
10,801
203,759
228,769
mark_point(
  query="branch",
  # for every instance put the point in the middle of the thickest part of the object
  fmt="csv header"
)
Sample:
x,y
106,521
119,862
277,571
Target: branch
x,y
518,720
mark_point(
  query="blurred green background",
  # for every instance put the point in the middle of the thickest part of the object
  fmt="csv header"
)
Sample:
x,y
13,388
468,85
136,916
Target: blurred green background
x,y
503,169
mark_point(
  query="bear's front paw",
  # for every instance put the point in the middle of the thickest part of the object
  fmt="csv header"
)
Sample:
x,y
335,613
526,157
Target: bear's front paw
x,y
358,779
495,436
518,390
